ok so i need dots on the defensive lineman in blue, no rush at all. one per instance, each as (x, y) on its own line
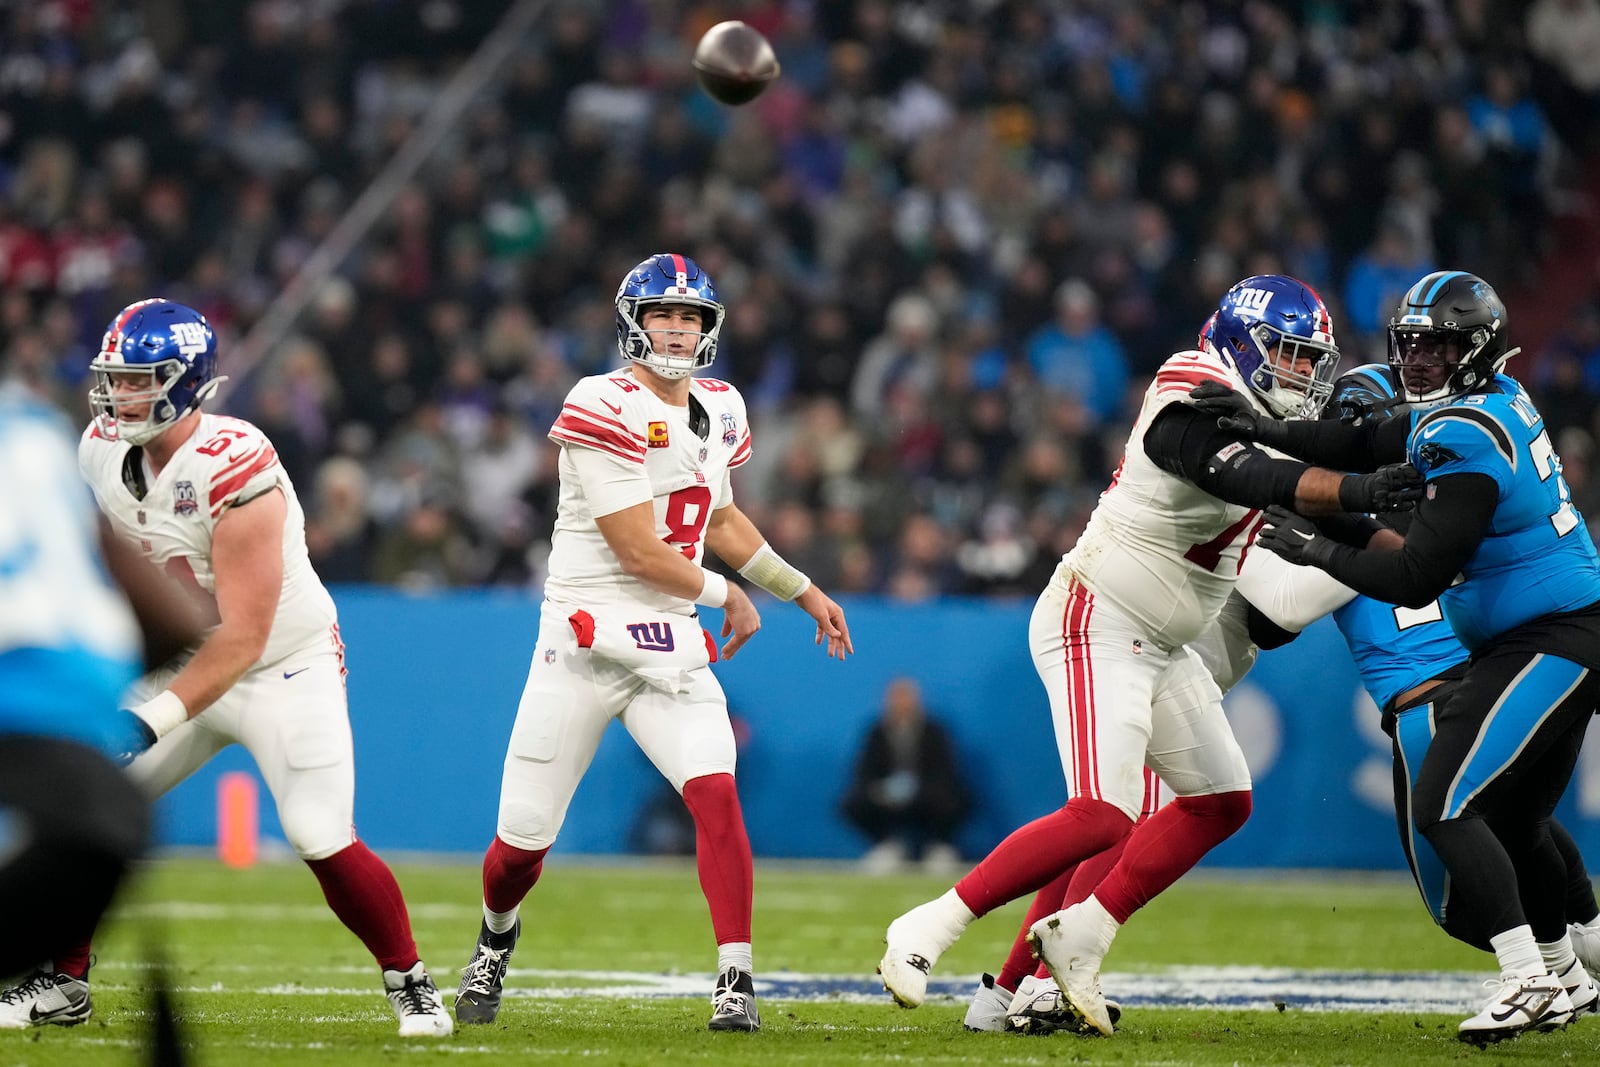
(1409, 660)
(1497, 540)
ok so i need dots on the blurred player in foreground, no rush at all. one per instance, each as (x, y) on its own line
(646, 456)
(1151, 571)
(69, 645)
(205, 497)
(1497, 541)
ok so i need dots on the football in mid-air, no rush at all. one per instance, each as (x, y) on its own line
(735, 62)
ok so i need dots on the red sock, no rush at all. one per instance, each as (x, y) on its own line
(74, 961)
(1047, 901)
(362, 892)
(722, 853)
(1036, 853)
(508, 873)
(1172, 841)
(1072, 887)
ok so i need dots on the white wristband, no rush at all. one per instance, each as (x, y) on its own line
(775, 574)
(163, 712)
(714, 593)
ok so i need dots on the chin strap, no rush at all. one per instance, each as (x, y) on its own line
(1500, 363)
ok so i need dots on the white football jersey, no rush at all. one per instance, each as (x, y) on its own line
(226, 461)
(1159, 548)
(688, 479)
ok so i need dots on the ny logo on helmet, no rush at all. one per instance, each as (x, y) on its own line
(652, 636)
(191, 337)
(1252, 301)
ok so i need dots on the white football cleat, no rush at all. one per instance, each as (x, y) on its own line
(417, 1003)
(1518, 1004)
(1037, 1008)
(1581, 990)
(45, 998)
(1586, 943)
(1067, 944)
(987, 1012)
(916, 940)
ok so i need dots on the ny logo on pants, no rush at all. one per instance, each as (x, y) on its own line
(652, 636)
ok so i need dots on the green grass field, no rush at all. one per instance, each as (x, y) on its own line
(616, 962)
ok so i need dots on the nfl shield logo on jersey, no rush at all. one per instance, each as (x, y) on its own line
(184, 501)
(549, 655)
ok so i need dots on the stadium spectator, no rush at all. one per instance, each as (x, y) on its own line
(897, 157)
(906, 794)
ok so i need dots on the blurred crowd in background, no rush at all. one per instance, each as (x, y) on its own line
(954, 238)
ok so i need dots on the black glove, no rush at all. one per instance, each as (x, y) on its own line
(1235, 414)
(1295, 538)
(1396, 487)
(1232, 411)
(137, 737)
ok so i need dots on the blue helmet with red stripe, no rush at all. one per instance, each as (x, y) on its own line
(1278, 335)
(157, 362)
(667, 278)
(1447, 337)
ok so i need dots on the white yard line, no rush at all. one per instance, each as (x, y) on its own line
(1241, 988)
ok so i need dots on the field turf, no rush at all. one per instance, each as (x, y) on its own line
(615, 967)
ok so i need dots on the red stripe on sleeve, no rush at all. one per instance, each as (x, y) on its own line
(1187, 378)
(228, 484)
(574, 430)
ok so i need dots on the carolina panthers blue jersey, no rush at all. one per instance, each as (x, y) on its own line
(1537, 557)
(68, 642)
(1397, 648)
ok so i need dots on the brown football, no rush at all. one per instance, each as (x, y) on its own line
(735, 62)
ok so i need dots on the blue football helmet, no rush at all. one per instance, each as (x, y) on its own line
(667, 278)
(1366, 392)
(1263, 326)
(1447, 337)
(169, 352)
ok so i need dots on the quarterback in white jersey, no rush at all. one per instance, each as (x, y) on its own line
(1108, 634)
(205, 497)
(645, 459)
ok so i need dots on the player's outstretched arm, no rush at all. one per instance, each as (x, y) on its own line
(1187, 443)
(735, 539)
(247, 564)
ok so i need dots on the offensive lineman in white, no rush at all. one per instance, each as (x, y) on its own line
(646, 453)
(205, 497)
(1152, 570)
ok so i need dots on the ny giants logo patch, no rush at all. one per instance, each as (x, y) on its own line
(730, 429)
(652, 636)
(184, 500)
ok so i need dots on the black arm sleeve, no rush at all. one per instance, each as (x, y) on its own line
(1444, 533)
(1349, 529)
(1343, 447)
(1264, 633)
(1185, 443)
